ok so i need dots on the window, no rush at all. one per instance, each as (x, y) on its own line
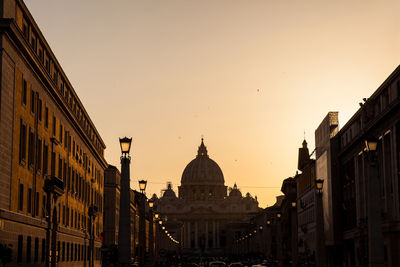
(65, 139)
(60, 165)
(32, 101)
(46, 117)
(20, 246)
(22, 142)
(25, 29)
(67, 219)
(53, 163)
(36, 255)
(28, 249)
(64, 177)
(54, 125)
(44, 206)
(21, 197)
(37, 204)
(40, 110)
(31, 147)
(43, 249)
(29, 200)
(24, 92)
(61, 133)
(67, 251)
(63, 251)
(63, 216)
(72, 218)
(45, 158)
(41, 54)
(39, 154)
(33, 41)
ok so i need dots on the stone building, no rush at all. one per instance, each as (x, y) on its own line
(112, 178)
(207, 220)
(306, 208)
(378, 117)
(47, 143)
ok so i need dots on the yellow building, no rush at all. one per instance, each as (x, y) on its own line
(45, 133)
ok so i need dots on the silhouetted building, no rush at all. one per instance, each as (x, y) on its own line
(306, 213)
(205, 217)
(46, 136)
(379, 117)
(326, 149)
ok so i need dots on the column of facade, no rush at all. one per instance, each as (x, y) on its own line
(206, 222)
(185, 235)
(189, 235)
(214, 235)
(218, 234)
(196, 235)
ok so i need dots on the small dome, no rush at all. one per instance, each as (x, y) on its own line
(235, 192)
(202, 170)
(169, 193)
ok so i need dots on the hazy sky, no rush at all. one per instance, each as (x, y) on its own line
(251, 76)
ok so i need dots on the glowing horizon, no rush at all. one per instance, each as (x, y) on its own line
(249, 76)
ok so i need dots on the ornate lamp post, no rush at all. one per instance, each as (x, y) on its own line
(142, 223)
(321, 260)
(294, 233)
(279, 237)
(375, 235)
(151, 228)
(124, 236)
(142, 186)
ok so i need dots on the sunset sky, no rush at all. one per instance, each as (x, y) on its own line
(250, 76)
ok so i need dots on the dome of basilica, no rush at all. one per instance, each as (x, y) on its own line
(202, 170)
(235, 192)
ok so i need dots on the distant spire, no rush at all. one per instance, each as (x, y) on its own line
(304, 143)
(202, 151)
(304, 156)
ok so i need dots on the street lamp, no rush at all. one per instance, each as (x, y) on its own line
(151, 229)
(125, 144)
(294, 204)
(371, 144)
(319, 184)
(156, 215)
(124, 237)
(279, 239)
(142, 186)
(142, 222)
(375, 235)
(151, 203)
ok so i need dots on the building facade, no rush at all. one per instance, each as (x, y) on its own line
(378, 117)
(48, 145)
(207, 220)
(306, 208)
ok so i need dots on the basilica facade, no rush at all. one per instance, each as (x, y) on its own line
(206, 216)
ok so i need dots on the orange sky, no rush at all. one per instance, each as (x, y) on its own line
(251, 76)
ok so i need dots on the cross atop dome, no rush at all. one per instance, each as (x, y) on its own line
(202, 151)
